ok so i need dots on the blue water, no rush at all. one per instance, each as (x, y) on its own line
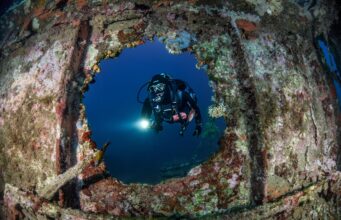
(9, 5)
(332, 66)
(137, 155)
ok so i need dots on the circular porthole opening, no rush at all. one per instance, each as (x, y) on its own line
(139, 154)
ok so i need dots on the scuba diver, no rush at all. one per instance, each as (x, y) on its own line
(172, 101)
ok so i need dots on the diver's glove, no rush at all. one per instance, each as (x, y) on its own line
(197, 130)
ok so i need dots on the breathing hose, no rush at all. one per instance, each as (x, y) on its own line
(138, 93)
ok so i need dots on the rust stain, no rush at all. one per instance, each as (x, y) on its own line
(246, 25)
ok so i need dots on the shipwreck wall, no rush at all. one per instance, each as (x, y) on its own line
(280, 146)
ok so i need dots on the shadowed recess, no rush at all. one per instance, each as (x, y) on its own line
(113, 113)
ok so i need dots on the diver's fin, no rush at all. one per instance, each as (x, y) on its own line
(183, 128)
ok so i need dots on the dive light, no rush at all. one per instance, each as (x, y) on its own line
(144, 124)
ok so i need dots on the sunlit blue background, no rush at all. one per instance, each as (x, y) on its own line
(137, 155)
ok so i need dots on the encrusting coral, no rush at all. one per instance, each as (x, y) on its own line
(278, 156)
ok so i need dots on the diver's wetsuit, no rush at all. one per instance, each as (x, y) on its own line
(184, 103)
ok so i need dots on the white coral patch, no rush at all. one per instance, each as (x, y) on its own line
(91, 55)
(217, 111)
(195, 171)
(233, 181)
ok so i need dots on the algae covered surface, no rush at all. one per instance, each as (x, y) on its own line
(277, 157)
